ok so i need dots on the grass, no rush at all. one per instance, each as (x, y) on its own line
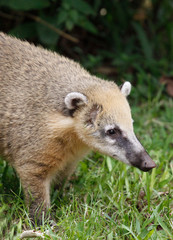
(106, 199)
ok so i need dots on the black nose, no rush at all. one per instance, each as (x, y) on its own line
(143, 161)
(147, 164)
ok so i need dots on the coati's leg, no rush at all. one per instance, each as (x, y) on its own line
(36, 189)
(64, 175)
(37, 198)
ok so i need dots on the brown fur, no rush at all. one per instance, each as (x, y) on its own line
(37, 137)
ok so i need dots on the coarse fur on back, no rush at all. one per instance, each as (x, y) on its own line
(53, 112)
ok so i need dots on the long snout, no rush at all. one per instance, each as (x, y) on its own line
(132, 152)
(143, 161)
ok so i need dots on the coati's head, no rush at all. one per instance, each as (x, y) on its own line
(103, 121)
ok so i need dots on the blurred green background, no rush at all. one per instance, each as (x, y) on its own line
(117, 39)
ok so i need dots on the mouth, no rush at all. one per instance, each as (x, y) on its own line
(141, 160)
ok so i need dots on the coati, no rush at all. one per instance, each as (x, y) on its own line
(53, 112)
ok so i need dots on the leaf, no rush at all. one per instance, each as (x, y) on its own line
(81, 6)
(129, 230)
(109, 163)
(146, 45)
(86, 24)
(62, 16)
(24, 30)
(138, 226)
(143, 233)
(110, 236)
(149, 234)
(84, 167)
(163, 225)
(69, 25)
(74, 15)
(25, 4)
(46, 35)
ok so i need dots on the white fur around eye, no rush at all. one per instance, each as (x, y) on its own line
(110, 141)
(126, 88)
(109, 127)
(72, 96)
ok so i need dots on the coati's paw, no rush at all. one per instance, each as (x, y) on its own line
(39, 216)
(31, 234)
(37, 233)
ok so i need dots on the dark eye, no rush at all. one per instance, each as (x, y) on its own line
(114, 132)
(111, 131)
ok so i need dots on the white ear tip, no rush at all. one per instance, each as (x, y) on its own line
(126, 88)
(67, 100)
(128, 84)
(74, 96)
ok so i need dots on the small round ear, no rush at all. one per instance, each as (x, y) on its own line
(126, 88)
(75, 99)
